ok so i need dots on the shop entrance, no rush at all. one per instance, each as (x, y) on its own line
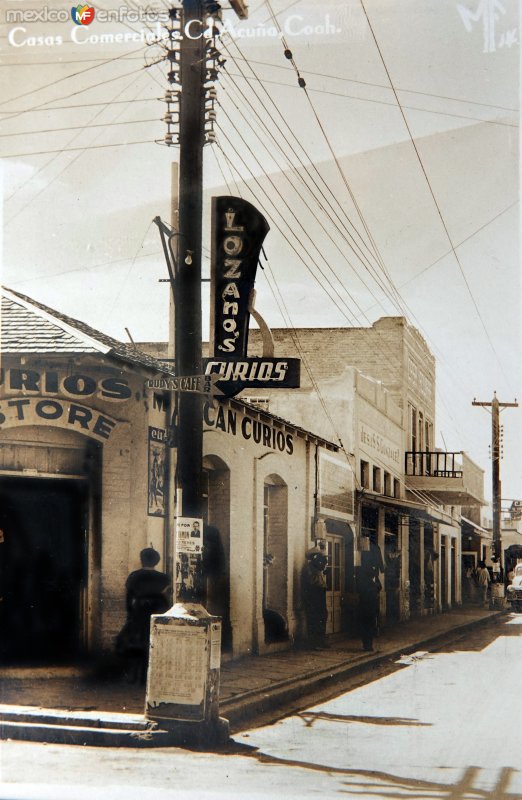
(392, 570)
(334, 583)
(43, 568)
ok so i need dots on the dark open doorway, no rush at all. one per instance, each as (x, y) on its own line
(43, 568)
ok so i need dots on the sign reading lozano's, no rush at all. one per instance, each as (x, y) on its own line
(238, 232)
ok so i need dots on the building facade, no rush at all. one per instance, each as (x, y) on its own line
(87, 458)
(86, 467)
(409, 493)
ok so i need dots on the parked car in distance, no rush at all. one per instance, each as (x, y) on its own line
(514, 590)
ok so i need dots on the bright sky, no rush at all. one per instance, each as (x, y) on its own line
(83, 177)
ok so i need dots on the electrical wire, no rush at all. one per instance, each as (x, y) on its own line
(354, 239)
(127, 275)
(274, 220)
(71, 94)
(422, 496)
(57, 155)
(213, 151)
(383, 339)
(459, 244)
(82, 127)
(74, 149)
(395, 291)
(463, 100)
(300, 224)
(283, 310)
(442, 399)
(52, 275)
(391, 104)
(342, 231)
(65, 78)
(435, 201)
(85, 105)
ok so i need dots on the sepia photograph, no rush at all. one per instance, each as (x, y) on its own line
(260, 373)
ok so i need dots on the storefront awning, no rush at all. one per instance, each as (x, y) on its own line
(478, 528)
(410, 508)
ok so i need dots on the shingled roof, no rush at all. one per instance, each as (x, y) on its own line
(28, 326)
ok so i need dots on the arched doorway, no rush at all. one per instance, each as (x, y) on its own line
(216, 543)
(48, 512)
(275, 559)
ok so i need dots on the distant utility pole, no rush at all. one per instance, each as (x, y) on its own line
(496, 407)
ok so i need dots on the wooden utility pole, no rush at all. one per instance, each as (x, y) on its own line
(496, 407)
(188, 279)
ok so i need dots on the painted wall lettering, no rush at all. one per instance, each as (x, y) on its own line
(226, 419)
(57, 413)
(52, 382)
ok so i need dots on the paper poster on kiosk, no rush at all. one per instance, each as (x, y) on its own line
(189, 535)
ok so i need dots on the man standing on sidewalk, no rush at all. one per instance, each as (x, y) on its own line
(483, 582)
(368, 588)
(314, 596)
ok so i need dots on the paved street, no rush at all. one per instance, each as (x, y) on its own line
(441, 724)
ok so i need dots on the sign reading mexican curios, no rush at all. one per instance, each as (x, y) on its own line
(238, 232)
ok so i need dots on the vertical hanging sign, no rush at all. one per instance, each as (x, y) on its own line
(238, 232)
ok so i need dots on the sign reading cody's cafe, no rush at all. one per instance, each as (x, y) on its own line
(238, 232)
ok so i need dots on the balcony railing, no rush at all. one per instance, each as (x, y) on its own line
(452, 478)
(435, 464)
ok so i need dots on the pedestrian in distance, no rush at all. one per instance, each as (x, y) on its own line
(148, 591)
(314, 596)
(368, 588)
(483, 581)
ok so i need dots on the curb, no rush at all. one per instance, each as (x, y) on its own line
(242, 708)
(127, 730)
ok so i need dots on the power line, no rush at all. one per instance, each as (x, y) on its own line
(276, 224)
(72, 94)
(213, 151)
(51, 276)
(463, 100)
(131, 267)
(396, 293)
(308, 206)
(308, 169)
(294, 332)
(302, 84)
(303, 229)
(279, 299)
(59, 63)
(82, 127)
(66, 77)
(433, 196)
(389, 103)
(233, 165)
(57, 155)
(459, 244)
(84, 105)
(385, 292)
(74, 149)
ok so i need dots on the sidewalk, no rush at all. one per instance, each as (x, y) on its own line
(250, 686)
